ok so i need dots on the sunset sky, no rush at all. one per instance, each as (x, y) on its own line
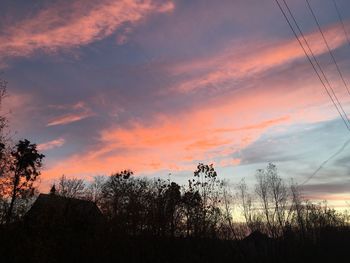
(159, 86)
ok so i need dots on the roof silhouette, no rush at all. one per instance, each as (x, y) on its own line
(52, 210)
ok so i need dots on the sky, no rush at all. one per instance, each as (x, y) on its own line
(160, 86)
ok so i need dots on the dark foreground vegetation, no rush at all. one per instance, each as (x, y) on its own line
(123, 218)
(144, 220)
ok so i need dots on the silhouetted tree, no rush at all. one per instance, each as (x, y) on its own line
(71, 187)
(273, 195)
(297, 210)
(210, 189)
(163, 203)
(251, 214)
(160, 208)
(116, 197)
(193, 203)
(22, 171)
(94, 189)
(172, 201)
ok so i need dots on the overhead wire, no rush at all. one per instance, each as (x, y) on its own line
(319, 67)
(328, 47)
(341, 21)
(338, 108)
(339, 151)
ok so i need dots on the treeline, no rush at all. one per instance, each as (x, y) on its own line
(149, 219)
(278, 208)
(155, 207)
(206, 207)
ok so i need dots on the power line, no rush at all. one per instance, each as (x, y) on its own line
(312, 64)
(341, 149)
(341, 21)
(318, 65)
(326, 42)
(321, 80)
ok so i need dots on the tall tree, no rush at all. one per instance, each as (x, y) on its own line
(210, 189)
(23, 169)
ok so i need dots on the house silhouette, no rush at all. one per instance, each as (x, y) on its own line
(54, 211)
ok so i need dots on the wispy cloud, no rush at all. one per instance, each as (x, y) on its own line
(76, 24)
(51, 144)
(237, 63)
(81, 112)
(212, 132)
(69, 118)
(169, 143)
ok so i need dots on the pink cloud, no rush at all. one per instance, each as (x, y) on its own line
(173, 142)
(81, 112)
(237, 62)
(75, 24)
(69, 118)
(51, 144)
(208, 133)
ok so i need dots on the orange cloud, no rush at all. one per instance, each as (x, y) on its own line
(73, 25)
(177, 142)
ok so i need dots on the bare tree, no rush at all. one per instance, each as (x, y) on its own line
(279, 195)
(273, 195)
(228, 212)
(250, 213)
(94, 189)
(262, 191)
(297, 209)
(72, 188)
